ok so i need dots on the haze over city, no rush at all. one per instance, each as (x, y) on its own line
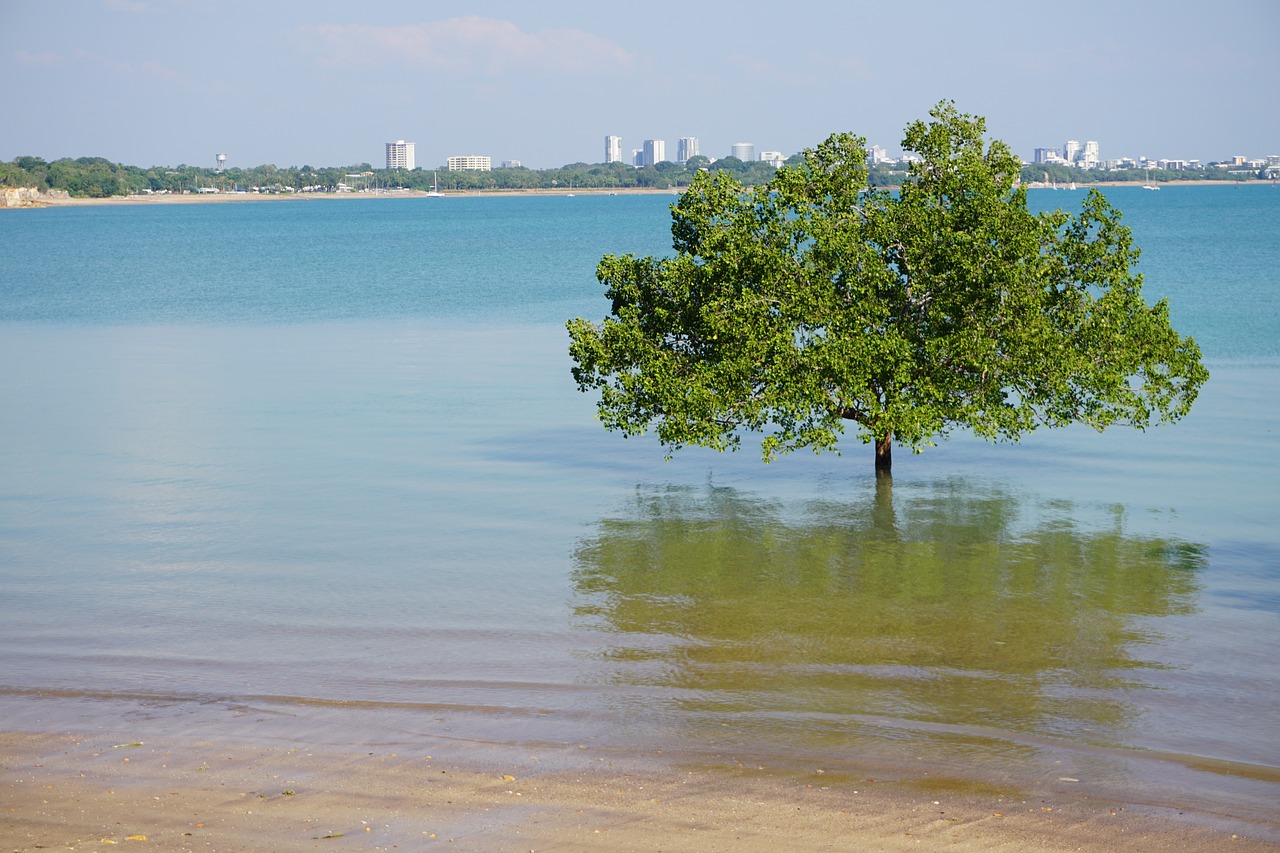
(168, 82)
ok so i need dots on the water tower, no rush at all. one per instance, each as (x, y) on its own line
(222, 162)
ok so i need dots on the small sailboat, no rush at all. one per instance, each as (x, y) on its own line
(435, 192)
(1148, 185)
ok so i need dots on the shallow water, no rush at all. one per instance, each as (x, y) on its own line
(321, 465)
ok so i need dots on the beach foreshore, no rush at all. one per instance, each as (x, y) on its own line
(88, 791)
(223, 198)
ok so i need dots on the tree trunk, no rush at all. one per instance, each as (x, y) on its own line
(884, 521)
(884, 455)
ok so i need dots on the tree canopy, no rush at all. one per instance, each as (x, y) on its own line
(814, 301)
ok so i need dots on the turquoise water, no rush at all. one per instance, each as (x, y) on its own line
(316, 470)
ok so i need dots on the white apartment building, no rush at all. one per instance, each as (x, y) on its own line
(400, 155)
(613, 149)
(655, 151)
(773, 158)
(470, 163)
(1085, 156)
(687, 147)
(875, 154)
(744, 151)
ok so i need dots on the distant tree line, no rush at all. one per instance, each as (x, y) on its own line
(96, 177)
(1060, 174)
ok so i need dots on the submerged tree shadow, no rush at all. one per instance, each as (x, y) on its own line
(942, 603)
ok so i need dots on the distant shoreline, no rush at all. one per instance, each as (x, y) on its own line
(225, 198)
(1039, 185)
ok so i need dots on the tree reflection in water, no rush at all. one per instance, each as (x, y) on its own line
(944, 604)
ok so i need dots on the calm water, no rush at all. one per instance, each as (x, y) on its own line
(318, 469)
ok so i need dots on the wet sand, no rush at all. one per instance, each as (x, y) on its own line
(95, 792)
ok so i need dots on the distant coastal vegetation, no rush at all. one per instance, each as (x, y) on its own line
(97, 177)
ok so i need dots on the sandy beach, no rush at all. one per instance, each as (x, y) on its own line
(226, 198)
(68, 791)
(230, 198)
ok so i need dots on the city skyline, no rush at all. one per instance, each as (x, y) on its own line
(163, 82)
(1087, 155)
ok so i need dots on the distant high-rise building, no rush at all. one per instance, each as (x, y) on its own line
(687, 147)
(773, 158)
(613, 149)
(470, 163)
(655, 151)
(400, 155)
(875, 154)
(1085, 156)
(744, 151)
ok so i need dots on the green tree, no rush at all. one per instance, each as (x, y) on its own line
(649, 176)
(730, 164)
(11, 175)
(814, 302)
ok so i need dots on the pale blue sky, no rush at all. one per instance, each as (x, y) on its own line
(327, 83)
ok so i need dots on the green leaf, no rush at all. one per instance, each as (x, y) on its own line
(814, 301)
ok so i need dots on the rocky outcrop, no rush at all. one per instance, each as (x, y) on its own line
(30, 196)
